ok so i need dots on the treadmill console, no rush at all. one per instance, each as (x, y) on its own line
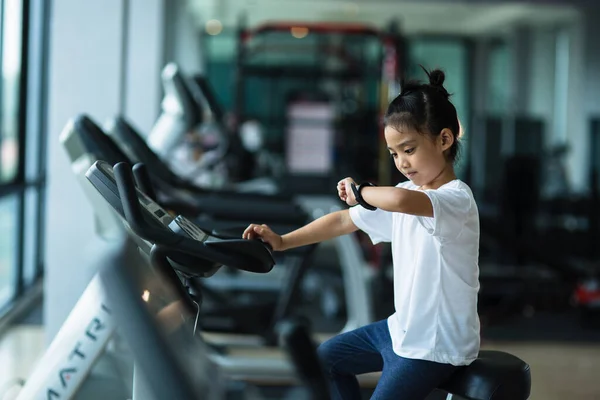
(152, 224)
(182, 225)
(102, 177)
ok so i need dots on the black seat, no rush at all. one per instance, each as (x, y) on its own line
(495, 375)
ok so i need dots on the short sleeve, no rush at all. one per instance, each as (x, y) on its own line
(377, 224)
(451, 209)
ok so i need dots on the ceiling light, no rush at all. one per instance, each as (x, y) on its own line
(214, 27)
(299, 32)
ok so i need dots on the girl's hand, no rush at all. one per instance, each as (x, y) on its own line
(264, 233)
(345, 191)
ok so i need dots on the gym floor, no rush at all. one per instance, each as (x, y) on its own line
(559, 370)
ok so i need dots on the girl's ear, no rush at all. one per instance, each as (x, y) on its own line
(446, 139)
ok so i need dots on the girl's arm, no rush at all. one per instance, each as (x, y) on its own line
(396, 199)
(392, 199)
(327, 227)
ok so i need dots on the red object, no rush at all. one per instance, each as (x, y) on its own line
(585, 295)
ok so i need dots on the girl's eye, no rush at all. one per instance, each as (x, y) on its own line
(394, 155)
(409, 151)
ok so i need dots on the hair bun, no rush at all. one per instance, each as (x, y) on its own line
(436, 78)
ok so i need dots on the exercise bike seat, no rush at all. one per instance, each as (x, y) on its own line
(495, 375)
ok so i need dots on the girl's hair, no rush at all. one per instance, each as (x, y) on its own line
(425, 108)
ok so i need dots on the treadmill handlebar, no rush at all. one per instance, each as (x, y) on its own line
(142, 178)
(133, 212)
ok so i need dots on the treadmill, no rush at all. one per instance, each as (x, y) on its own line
(82, 135)
(179, 113)
(183, 110)
(180, 249)
(171, 361)
(86, 143)
(269, 298)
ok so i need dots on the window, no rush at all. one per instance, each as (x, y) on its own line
(8, 246)
(12, 44)
(22, 24)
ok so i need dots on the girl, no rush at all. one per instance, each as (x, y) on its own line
(432, 223)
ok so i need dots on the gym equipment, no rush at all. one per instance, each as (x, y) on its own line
(180, 113)
(230, 315)
(525, 222)
(183, 128)
(176, 244)
(69, 369)
(87, 145)
(494, 375)
(358, 68)
(128, 139)
(250, 318)
(84, 361)
(357, 302)
(172, 362)
(83, 136)
(240, 157)
(347, 248)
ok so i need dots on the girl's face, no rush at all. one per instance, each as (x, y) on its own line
(420, 157)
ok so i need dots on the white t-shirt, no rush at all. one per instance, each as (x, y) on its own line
(436, 274)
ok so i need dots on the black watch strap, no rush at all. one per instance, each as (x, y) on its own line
(357, 193)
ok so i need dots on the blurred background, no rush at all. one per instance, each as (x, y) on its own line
(297, 90)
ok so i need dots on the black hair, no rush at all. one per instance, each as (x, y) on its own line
(425, 108)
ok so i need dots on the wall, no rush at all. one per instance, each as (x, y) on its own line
(87, 74)
(145, 59)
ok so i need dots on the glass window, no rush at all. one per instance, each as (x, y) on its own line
(8, 247)
(12, 45)
(21, 125)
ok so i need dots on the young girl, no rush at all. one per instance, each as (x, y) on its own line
(433, 224)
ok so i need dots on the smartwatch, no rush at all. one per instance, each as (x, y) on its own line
(357, 193)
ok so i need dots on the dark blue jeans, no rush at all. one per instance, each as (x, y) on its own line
(369, 349)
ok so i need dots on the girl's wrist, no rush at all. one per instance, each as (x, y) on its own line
(358, 195)
(282, 243)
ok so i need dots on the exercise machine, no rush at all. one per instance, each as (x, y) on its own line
(494, 375)
(171, 361)
(83, 136)
(179, 113)
(87, 141)
(76, 351)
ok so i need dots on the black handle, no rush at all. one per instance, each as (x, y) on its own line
(296, 340)
(219, 252)
(133, 210)
(142, 178)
